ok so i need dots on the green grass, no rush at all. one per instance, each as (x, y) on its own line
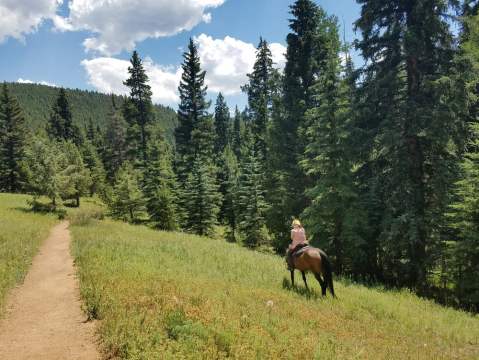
(165, 295)
(21, 233)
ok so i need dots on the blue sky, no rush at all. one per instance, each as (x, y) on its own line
(86, 43)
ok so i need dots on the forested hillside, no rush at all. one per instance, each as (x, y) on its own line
(36, 102)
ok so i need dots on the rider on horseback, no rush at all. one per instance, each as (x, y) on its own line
(298, 241)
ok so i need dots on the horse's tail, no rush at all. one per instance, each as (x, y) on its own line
(328, 273)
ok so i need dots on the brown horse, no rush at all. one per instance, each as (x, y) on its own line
(316, 261)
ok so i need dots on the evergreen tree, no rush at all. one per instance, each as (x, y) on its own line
(95, 166)
(138, 110)
(127, 198)
(251, 207)
(229, 190)
(465, 221)
(192, 111)
(222, 120)
(160, 187)
(333, 217)
(259, 96)
(202, 197)
(115, 143)
(74, 176)
(236, 134)
(60, 125)
(408, 50)
(13, 139)
(308, 44)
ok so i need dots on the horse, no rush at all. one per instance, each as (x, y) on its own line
(316, 261)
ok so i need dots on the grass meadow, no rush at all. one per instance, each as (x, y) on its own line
(160, 295)
(21, 233)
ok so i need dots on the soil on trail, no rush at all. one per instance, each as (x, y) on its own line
(43, 317)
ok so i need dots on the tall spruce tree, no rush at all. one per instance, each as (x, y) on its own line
(115, 153)
(160, 186)
(409, 50)
(138, 109)
(60, 125)
(333, 217)
(307, 43)
(13, 140)
(229, 189)
(464, 221)
(251, 202)
(236, 134)
(222, 121)
(201, 199)
(259, 94)
(192, 110)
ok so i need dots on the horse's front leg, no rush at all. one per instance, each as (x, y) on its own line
(292, 277)
(304, 279)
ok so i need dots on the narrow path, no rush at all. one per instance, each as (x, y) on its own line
(44, 318)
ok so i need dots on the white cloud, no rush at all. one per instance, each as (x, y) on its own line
(107, 74)
(22, 17)
(26, 81)
(228, 61)
(119, 24)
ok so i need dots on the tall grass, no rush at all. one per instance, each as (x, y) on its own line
(21, 233)
(166, 295)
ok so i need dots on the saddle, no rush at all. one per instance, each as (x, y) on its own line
(300, 249)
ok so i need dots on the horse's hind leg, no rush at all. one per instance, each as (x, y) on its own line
(304, 279)
(322, 283)
(292, 278)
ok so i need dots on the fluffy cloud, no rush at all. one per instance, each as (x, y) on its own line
(119, 24)
(107, 74)
(26, 81)
(21, 17)
(228, 60)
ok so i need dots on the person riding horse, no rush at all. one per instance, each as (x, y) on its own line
(298, 241)
(300, 256)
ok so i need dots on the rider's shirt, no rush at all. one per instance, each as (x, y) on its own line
(298, 236)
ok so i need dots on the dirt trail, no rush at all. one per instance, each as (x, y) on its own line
(43, 319)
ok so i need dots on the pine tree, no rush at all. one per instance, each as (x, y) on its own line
(13, 139)
(95, 166)
(333, 217)
(127, 198)
(74, 176)
(229, 190)
(465, 221)
(259, 96)
(251, 207)
(222, 120)
(236, 134)
(60, 125)
(160, 187)
(192, 111)
(307, 42)
(115, 143)
(412, 128)
(202, 197)
(138, 110)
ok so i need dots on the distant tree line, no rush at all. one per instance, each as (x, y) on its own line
(380, 162)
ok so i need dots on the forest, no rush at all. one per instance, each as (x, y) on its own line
(379, 160)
